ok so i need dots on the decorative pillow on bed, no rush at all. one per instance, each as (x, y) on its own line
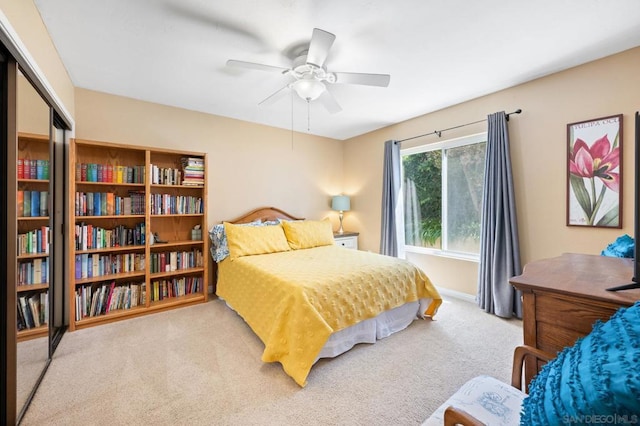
(308, 233)
(250, 240)
(219, 247)
(596, 380)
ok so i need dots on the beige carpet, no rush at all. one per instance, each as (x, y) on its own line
(201, 366)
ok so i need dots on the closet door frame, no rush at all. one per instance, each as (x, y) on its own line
(8, 224)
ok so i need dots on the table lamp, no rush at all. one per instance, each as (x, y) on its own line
(341, 203)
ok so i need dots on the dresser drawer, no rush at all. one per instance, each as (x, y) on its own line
(350, 242)
(562, 319)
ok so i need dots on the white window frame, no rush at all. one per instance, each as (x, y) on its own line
(443, 146)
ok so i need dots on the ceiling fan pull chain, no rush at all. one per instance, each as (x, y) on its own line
(308, 116)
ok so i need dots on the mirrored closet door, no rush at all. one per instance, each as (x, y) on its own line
(33, 261)
(34, 167)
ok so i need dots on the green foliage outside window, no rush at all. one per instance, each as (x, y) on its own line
(464, 180)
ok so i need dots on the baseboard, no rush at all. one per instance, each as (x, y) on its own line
(456, 294)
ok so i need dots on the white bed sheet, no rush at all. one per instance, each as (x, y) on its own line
(368, 331)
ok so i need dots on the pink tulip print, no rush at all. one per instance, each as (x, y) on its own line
(594, 174)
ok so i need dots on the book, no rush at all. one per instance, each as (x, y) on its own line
(26, 168)
(26, 209)
(20, 168)
(40, 169)
(110, 201)
(44, 206)
(20, 203)
(35, 203)
(26, 311)
(44, 248)
(173, 261)
(110, 296)
(34, 304)
(103, 204)
(97, 204)
(84, 268)
(119, 174)
(93, 172)
(78, 267)
(45, 170)
(37, 271)
(44, 307)
(20, 318)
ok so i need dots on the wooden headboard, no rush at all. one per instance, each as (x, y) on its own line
(264, 214)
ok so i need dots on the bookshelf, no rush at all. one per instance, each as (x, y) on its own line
(32, 257)
(134, 249)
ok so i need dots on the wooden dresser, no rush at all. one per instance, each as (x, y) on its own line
(564, 296)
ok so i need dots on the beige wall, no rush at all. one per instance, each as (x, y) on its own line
(538, 152)
(249, 165)
(25, 20)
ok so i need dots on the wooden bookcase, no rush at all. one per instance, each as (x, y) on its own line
(32, 206)
(116, 204)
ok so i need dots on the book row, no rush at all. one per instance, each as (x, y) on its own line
(98, 265)
(165, 289)
(175, 204)
(88, 237)
(34, 242)
(32, 203)
(108, 204)
(92, 172)
(165, 175)
(176, 260)
(33, 169)
(32, 272)
(92, 301)
(33, 311)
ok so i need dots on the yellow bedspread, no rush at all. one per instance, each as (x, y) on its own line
(295, 300)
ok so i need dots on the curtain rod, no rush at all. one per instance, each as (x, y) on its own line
(439, 132)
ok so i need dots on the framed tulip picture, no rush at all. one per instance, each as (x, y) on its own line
(594, 175)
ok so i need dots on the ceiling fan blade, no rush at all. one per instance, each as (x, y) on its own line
(321, 42)
(329, 102)
(274, 97)
(381, 80)
(254, 66)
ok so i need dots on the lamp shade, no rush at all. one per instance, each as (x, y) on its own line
(341, 203)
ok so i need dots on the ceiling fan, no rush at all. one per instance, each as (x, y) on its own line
(310, 76)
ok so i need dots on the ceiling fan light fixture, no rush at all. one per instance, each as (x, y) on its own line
(309, 89)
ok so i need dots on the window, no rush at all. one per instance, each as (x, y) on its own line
(442, 184)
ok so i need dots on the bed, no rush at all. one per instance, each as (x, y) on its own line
(307, 298)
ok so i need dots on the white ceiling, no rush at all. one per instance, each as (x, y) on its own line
(438, 52)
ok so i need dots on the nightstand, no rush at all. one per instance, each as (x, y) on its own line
(347, 239)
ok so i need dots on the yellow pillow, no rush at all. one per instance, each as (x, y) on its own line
(308, 233)
(249, 240)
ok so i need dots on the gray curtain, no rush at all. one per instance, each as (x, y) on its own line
(499, 246)
(392, 232)
(412, 216)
